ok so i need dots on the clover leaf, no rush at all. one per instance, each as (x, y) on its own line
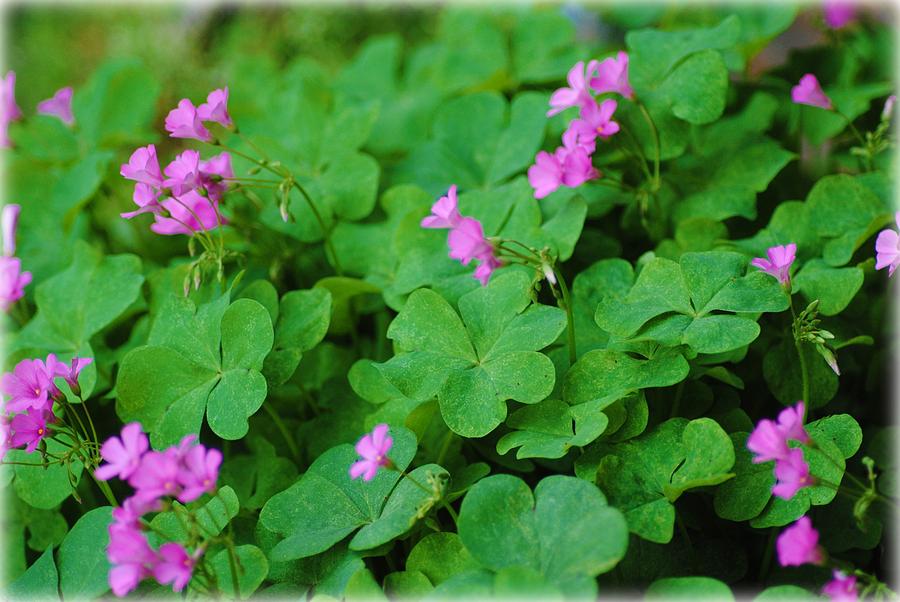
(474, 363)
(198, 360)
(644, 476)
(565, 530)
(552, 427)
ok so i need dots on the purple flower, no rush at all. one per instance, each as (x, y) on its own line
(183, 174)
(12, 281)
(768, 442)
(174, 566)
(143, 166)
(156, 476)
(123, 455)
(486, 265)
(887, 248)
(841, 588)
(792, 473)
(132, 509)
(146, 197)
(779, 263)
(30, 385)
(790, 423)
(373, 449)
(30, 428)
(444, 213)
(130, 555)
(215, 173)
(596, 120)
(838, 13)
(60, 105)
(184, 213)
(577, 94)
(566, 166)
(809, 92)
(71, 370)
(799, 544)
(9, 110)
(199, 472)
(216, 107)
(545, 176)
(9, 222)
(577, 167)
(185, 122)
(467, 241)
(612, 76)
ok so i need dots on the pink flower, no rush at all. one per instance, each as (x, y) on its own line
(215, 173)
(188, 214)
(216, 107)
(131, 557)
(156, 476)
(545, 176)
(838, 13)
(71, 371)
(30, 428)
(779, 263)
(123, 455)
(184, 122)
(841, 588)
(467, 241)
(887, 248)
(612, 76)
(799, 544)
(183, 174)
(768, 442)
(792, 473)
(486, 266)
(577, 137)
(9, 222)
(9, 110)
(373, 449)
(809, 92)
(790, 423)
(60, 105)
(199, 472)
(30, 385)
(132, 509)
(143, 166)
(596, 120)
(577, 167)
(12, 281)
(174, 565)
(444, 213)
(577, 93)
(146, 197)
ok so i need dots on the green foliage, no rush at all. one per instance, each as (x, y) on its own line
(83, 566)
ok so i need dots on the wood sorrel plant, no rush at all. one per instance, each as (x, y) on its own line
(556, 301)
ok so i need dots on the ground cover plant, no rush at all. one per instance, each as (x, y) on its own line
(566, 302)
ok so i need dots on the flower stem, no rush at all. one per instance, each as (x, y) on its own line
(570, 315)
(655, 132)
(430, 493)
(105, 489)
(282, 428)
(804, 371)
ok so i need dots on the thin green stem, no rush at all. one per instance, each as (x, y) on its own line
(655, 132)
(232, 563)
(430, 493)
(282, 428)
(766, 563)
(804, 371)
(105, 489)
(570, 315)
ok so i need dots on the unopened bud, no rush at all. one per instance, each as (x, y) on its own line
(888, 109)
(549, 274)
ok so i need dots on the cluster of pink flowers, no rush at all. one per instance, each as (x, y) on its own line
(466, 238)
(887, 248)
(779, 262)
(28, 393)
(769, 441)
(570, 165)
(372, 448)
(184, 472)
(12, 279)
(799, 545)
(59, 105)
(184, 197)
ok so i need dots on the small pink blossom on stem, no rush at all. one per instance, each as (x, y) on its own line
(809, 92)
(146, 197)
(59, 105)
(183, 174)
(174, 565)
(838, 13)
(12, 281)
(545, 176)
(143, 166)
(131, 557)
(841, 588)
(9, 222)
(373, 449)
(9, 110)
(188, 214)
(30, 385)
(596, 120)
(445, 212)
(887, 248)
(199, 472)
(767, 442)
(30, 428)
(184, 122)
(72, 370)
(215, 175)
(569, 167)
(577, 94)
(156, 476)
(792, 473)
(216, 108)
(123, 455)
(486, 265)
(799, 544)
(790, 423)
(612, 76)
(779, 262)
(467, 241)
